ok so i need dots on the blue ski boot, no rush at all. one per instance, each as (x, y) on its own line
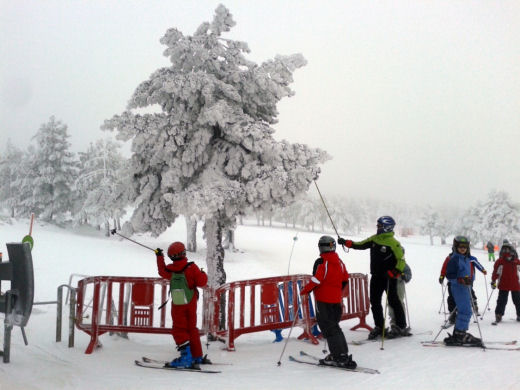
(183, 361)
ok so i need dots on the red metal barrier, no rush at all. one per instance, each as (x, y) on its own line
(231, 317)
(126, 304)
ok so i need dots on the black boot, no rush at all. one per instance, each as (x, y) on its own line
(375, 333)
(498, 318)
(461, 337)
(398, 332)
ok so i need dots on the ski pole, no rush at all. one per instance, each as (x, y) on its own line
(444, 325)
(487, 293)
(487, 304)
(113, 231)
(326, 209)
(444, 288)
(406, 305)
(384, 318)
(476, 318)
(295, 238)
(290, 331)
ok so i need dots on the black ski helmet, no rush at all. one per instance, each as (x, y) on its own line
(327, 244)
(507, 248)
(461, 240)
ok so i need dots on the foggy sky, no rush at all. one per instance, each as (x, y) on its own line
(416, 101)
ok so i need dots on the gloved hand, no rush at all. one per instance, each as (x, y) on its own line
(394, 274)
(159, 252)
(202, 270)
(466, 280)
(347, 243)
(441, 279)
(484, 272)
(307, 289)
(494, 284)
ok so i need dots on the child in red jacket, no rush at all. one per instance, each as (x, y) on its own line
(184, 278)
(506, 271)
(329, 278)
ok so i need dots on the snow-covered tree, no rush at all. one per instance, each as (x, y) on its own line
(56, 168)
(499, 218)
(10, 162)
(26, 174)
(102, 183)
(210, 150)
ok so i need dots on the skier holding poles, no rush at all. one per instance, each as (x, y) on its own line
(458, 272)
(184, 279)
(386, 265)
(506, 270)
(329, 279)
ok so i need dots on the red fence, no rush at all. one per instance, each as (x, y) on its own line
(126, 304)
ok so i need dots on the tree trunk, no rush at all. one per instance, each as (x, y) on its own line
(107, 228)
(215, 252)
(215, 261)
(191, 233)
(229, 240)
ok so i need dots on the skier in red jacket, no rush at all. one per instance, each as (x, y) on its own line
(329, 278)
(184, 294)
(506, 271)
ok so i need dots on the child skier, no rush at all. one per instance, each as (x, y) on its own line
(184, 278)
(506, 271)
(474, 263)
(386, 265)
(458, 272)
(328, 281)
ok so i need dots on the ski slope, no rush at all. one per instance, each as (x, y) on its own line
(404, 363)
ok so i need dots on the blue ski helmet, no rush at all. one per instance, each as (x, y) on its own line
(385, 224)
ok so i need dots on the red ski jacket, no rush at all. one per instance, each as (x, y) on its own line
(328, 278)
(194, 276)
(507, 272)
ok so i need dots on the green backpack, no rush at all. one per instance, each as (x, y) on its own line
(180, 292)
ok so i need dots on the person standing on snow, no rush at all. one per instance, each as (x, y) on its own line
(506, 271)
(329, 278)
(458, 272)
(405, 277)
(474, 263)
(184, 279)
(386, 265)
(491, 251)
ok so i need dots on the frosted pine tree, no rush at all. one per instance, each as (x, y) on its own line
(500, 218)
(210, 150)
(10, 162)
(55, 170)
(102, 184)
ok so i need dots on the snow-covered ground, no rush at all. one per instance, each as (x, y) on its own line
(404, 363)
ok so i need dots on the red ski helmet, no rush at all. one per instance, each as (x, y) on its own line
(177, 251)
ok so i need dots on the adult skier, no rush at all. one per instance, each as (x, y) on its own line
(184, 279)
(506, 271)
(458, 272)
(491, 251)
(329, 278)
(386, 265)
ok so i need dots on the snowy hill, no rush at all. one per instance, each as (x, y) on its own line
(404, 363)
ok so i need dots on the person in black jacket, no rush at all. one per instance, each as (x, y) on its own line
(386, 265)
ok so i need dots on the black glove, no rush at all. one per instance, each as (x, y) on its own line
(441, 279)
(494, 284)
(159, 252)
(341, 241)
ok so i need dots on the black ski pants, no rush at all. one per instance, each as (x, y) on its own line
(378, 285)
(502, 301)
(328, 316)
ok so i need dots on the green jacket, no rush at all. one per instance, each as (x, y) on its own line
(386, 253)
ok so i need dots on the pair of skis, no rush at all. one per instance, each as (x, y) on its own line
(161, 364)
(306, 358)
(491, 345)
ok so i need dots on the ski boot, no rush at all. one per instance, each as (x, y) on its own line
(396, 332)
(202, 360)
(518, 318)
(498, 318)
(343, 360)
(462, 338)
(183, 361)
(375, 333)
